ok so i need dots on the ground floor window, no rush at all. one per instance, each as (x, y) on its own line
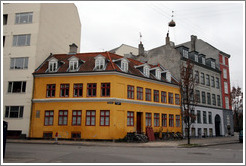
(170, 120)
(62, 117)
(164, 120)
(130, 118)
(104, 118)
(90, 118)
(76, 120)
(76, 135)
(47, 135)
(199, 132)
(156, 120)
(205, 133)
(193, 132)
(148, 119)
(210, 132)
(177, 120)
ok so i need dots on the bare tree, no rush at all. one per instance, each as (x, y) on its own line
(236, 98)
(187, 85)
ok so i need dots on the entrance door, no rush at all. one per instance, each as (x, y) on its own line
(139, 122)
(217, 125)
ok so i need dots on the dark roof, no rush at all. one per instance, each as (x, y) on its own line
(89, 64)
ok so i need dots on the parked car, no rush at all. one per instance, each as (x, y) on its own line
(241, 136)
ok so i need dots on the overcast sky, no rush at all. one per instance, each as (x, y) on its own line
(107, 25)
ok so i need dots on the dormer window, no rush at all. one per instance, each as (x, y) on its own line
(185, 54)
(53, 65)
(146, 71)
(73, 64)
(196, 57)
(99, 62)
(158, 74)
(124, 65)
(213, 64)
(203, 60)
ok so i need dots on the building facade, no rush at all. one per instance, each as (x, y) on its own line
(222, 62)
(212, 118)
(31, 31)
(102, 96)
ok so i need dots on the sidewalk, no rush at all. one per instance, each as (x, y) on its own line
(164, 143)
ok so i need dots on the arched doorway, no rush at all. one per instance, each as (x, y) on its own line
(217, 125)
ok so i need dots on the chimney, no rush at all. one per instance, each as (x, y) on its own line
(167, 39)
(140, 49)
(73, 48)
(193, 43)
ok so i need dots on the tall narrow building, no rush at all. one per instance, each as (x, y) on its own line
(31, 31)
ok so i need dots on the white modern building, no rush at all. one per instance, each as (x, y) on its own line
(31, 32)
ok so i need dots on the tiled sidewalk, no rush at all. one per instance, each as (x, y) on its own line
(165, 143)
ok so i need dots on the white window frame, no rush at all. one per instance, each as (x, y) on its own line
(100, 63)
(20, 111)
(124, 65)
(158, 74)
(225, 73)
(73, 65)
(19, 18)
(10, 89)
(16, 40)
(53, 66)
(146, 71)
(13, 62)
(226, 87)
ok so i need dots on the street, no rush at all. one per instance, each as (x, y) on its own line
(53, 153)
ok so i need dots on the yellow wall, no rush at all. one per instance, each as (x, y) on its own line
(118, 113)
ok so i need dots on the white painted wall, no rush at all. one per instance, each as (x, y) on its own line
(51, 32)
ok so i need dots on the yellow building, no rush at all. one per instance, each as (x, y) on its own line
(102, 96)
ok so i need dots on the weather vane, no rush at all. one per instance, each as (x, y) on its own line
(140, 36)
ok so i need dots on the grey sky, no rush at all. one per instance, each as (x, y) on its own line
(107, 25)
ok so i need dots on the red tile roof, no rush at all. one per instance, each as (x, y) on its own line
(89, 64)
